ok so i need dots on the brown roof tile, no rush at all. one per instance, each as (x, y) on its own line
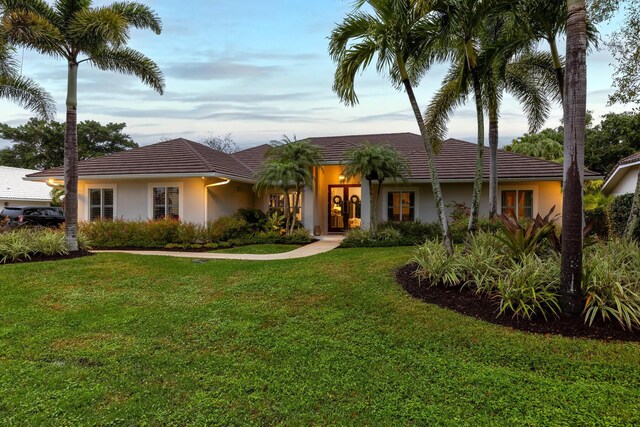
(169, 157)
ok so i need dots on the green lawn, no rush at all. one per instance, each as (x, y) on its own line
(258, 249)
(124, 339)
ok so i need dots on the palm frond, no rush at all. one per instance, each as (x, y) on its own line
(454, 91)
(138, 15)
(129, 61)
(97, 27)
(354, 60)
(31, 30)
(26, 93)
(520, 83)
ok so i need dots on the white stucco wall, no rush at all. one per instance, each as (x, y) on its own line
(133, 198)
(627, 183)
(4, 202)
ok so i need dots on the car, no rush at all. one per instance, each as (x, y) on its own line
(25, 216)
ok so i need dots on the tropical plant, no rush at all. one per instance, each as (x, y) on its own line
(281, 175)
(21, 90)
(77, 32)
(435, 266)
(611, 283)
(483, 260)
(524, 240)
(375, 162)
(529, 288)
(274, 222)
(399, 35)
(302, 157)
(575, 110)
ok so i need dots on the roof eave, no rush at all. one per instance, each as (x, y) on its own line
(616, 171)
(147, 176)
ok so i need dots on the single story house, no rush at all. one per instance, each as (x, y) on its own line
(15, 191)
(190, 181)
(624, 176)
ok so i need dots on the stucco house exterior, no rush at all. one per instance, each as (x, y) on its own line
(186, 180)
(15, 191)
(624, 177)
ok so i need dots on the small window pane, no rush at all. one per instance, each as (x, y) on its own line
(107, 194)
(94, 197)
(94, 213)
(525, 204)
(509, 203)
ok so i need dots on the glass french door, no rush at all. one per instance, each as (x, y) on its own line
(345, 207)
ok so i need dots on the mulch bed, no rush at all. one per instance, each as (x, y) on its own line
(464, 301)
(41, 258)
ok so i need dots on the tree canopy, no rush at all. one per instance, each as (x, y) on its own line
(39, 144)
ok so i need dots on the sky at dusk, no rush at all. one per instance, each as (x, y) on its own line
(258, 70)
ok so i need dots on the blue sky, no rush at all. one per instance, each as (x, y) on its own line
(259, 70)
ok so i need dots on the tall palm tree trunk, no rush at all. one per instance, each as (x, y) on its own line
(435, 182)
(634, 217)
(71, 161)
(373, 215)
(557, 65)
(493, 162)
(574, 136)
(287, 212)
(477, 181)
(296, 208)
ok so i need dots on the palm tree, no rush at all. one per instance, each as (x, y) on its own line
(375, 163)
(399, 35)
(520, 77)
(574, 135)
(460, 23)
(23, 91)
(79, 33)
(303, 156)
(276, 173)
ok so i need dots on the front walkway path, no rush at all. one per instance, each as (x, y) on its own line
(325, 244)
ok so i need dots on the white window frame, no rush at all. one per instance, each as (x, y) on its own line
(533, 188)
(153, 185)
(385, 194)
(90, 187)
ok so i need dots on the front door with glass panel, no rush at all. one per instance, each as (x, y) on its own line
(345, 207)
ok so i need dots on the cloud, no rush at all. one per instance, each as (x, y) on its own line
(220, 70)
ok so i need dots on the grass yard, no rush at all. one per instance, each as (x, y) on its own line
(123, 339)
(258, 249)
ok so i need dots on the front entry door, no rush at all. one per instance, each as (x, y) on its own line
(345, 207)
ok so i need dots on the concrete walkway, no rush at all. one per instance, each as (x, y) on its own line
(325, 244)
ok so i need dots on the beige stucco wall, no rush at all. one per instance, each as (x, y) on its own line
(133, 197)
(627, 183)
(546, 194)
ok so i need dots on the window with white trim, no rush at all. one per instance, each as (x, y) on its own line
(517, 203)
(401, 206)
(101, 203)
(166, 202)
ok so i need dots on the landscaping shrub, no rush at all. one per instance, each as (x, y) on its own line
(482, 260)
(413, 232)
(435, 266)
(139, 234)
(611, 282)
(458, 228)
(598, 218)
(619, 212)
(529, 287)
(226, 228)
(23, 244)
(256, 219)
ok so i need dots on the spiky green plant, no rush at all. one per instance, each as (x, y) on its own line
(435, 266)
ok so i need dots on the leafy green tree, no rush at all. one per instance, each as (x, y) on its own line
(547, 145)
(38, 144)
(75, 31)
(575, 112)
(615, 137)
(398, 36)
(375, 162)
(302, 157)
(21, 90)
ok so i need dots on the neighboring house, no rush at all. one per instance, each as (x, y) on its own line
(15, 191)
(186, 180)
(623, 178)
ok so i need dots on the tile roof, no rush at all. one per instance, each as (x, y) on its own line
(455, 162)
(177, 156)
(614, 176)
(13, 187)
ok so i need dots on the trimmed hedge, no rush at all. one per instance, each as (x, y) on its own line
(619, 214)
